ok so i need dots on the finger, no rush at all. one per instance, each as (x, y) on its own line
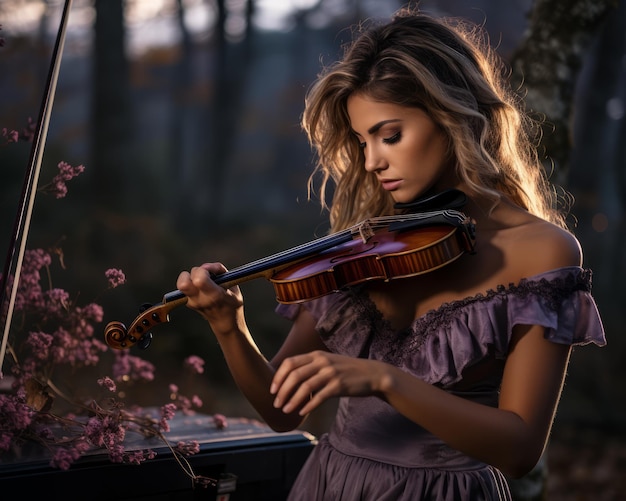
(307, 396)
(300, 384)
(184, 281)
(202, 276)
(198, 273)
(286, 368)
(214, 268)
(315, 400)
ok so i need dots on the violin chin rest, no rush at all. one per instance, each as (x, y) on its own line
(448, 199)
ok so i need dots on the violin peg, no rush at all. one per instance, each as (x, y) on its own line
(145, 341)
(145, 306)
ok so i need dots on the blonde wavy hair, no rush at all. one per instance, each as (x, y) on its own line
(448, 69)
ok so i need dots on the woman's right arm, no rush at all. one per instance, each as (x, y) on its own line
(253, 373)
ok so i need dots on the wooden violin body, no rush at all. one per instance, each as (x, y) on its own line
(387, 255)
(385, 248)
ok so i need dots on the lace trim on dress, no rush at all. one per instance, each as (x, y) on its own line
(391, 344)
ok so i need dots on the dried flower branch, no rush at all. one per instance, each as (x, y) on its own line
(55, 332)
(51, 335)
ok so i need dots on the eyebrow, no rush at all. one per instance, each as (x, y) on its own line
(376, 127)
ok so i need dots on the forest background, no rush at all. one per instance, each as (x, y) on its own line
(185, 114)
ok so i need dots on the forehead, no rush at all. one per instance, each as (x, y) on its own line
(364, 113)
(359, 104)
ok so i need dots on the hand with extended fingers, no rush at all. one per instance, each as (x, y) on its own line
(310, 379)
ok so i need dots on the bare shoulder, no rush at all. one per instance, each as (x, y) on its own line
(538, 246)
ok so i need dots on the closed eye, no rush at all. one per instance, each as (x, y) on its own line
(393, 139)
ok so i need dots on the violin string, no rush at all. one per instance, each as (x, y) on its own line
(328, 241)
(311, 247)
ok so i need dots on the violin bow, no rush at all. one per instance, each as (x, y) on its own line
(29, 189)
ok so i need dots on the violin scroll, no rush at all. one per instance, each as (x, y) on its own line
(117, 336)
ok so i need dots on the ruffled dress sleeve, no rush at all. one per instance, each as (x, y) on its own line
(560, 301)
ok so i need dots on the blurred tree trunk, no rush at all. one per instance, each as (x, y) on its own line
(184, 125)
(112, 165)
(547, 64)
(232, 65)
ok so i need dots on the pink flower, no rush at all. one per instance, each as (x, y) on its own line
(116, 453)
(168, 411)
(220, 421)
(195, 364)
(28, 133)
(115, 277)
(131, 368)
(138, 457)
(108, 383)
(66, 172)
(77, 347)
(14, 413)
(105, 431)
(196, 401)
(184, 403)
(92, 312)
(29, 292)
(11, 135)
(188, 448)
(63, 458)
(58, 301)
(39, 343)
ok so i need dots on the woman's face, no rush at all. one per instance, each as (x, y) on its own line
(403, 147)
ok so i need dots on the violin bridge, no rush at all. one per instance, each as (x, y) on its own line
(365, 231)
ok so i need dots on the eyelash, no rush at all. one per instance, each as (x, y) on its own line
(393, 139)
(388, 140)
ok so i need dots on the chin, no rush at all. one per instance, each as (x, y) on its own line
(405, 199)
(399, 200)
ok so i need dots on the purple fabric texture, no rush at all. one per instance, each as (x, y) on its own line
(372, 451)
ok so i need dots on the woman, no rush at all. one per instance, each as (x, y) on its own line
(447, 378)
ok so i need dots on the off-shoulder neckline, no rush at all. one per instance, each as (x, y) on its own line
(543, 284)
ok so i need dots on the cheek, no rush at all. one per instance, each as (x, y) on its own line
(423, 160)
(434, 149)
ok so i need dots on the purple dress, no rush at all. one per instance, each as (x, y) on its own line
(374, 453)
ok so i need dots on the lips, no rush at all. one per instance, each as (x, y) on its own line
(390, 184)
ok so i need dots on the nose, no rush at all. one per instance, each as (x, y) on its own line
(374, 161)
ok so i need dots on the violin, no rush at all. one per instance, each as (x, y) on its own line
(383, 248)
